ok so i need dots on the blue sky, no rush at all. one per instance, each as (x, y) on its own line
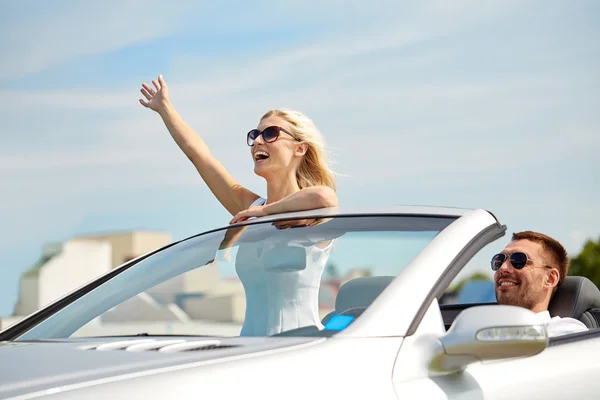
(490, 104)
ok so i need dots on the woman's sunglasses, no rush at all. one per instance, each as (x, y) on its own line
(518, 260)
(269, 134)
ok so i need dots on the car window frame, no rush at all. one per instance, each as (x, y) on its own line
(575, 337)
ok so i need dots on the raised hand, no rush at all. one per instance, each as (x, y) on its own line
(157, 99)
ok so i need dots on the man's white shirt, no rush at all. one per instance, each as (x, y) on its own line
(557, 326)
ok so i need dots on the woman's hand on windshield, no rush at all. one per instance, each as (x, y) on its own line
(254, 211)
(157, 98)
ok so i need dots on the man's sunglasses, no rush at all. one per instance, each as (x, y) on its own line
(518, 260)
(269, 134)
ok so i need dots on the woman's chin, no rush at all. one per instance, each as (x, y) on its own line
(261, 168)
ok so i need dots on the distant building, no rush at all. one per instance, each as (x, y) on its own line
(198, 295)
(64, 267)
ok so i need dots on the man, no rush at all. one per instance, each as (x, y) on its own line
(528, 272)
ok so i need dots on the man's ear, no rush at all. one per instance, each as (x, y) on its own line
(552, 278)
(301, 149)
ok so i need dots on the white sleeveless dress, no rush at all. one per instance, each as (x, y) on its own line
(278, 301)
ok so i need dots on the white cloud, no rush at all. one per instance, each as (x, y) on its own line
(55, 33)
(395, 126)
(77, 99)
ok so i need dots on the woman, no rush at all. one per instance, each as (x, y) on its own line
(288, 152)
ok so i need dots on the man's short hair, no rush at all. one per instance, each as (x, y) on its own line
(556, 251)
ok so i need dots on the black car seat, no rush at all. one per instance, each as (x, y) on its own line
(577, 298)
(358, 294)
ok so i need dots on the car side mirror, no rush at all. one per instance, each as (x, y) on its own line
(493, 332)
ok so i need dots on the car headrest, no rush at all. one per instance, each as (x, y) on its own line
(576, 295)
(360, 292)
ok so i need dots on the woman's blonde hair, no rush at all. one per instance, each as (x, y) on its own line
(314, 168)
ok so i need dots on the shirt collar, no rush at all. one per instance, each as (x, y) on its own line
(544, 316)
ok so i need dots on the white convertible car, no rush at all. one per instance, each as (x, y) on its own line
(321, 304)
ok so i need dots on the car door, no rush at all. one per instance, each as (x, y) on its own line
(568, 368)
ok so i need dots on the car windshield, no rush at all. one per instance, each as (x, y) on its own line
(259, 279)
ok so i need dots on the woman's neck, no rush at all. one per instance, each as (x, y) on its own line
(280, 188)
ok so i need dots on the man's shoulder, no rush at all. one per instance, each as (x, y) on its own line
(563, 326)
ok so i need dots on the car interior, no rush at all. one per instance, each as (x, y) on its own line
(576, 298)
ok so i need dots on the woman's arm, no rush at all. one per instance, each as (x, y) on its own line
(226, 189)
(305, 199)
